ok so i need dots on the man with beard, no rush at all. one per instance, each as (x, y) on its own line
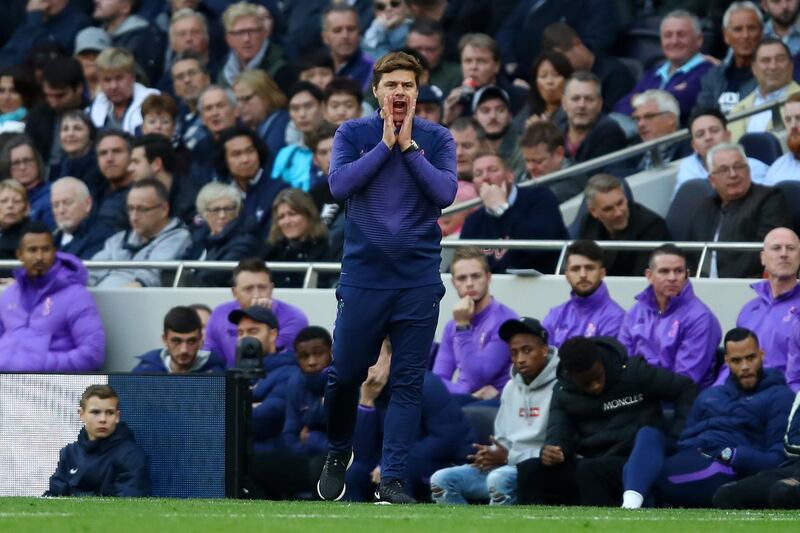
(590, 311)
(491, 108)
(787, 166)
(472, 359)
(782, 23)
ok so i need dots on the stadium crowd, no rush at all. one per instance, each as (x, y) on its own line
(135, 130)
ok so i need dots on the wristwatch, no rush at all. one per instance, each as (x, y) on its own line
(726, 455)
(413, 147)
(500, 210)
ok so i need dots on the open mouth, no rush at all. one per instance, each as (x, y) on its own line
(399, 106)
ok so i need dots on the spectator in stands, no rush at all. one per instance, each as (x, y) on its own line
(14, 210)
(388, 30)
(519, 428)
(469, 137)
(772, 315)
(429, 103)
(269, 393)
(550, 72)
(472, 360)
(684, 67)
(159, 114)
(782, 23)
(241, 159)
(188, 33)
(21, 162)
(787, 166)
(113, 157)
(51, 21)
(63, 88)
(772, 68)
(426, 36)
(189, 79)
(542, 149)
(315, 66)
(611, 216)
(261, 106)
(89, 43)
(490, 107)
(19, 93)
(76, 140)
(296, 235)
(48, 320)
(616, 80)
(709, 127)
(181, 354)
(442, 438)
(510, 212)
(341, 33)
(248, 28)
(602, 398)
(305, 110)
(225, 235)
(727, 84)
(342, 100)
(669, 326)
(452, 224)
(77, 230)
(204, 312)
(739, 211)
(133, 33)
(118, 105)
(153, 236)
(657, 115)
(733, 430)
(153, 157)
(252, 285)
(217, 108)
(590, 310)
(105, 460)
(587, 133)
(480, 66)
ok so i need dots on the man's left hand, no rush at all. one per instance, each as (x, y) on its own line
(404, 135)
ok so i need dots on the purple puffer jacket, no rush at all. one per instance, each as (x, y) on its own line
(51, 324)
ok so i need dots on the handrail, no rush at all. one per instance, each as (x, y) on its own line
(630, 151)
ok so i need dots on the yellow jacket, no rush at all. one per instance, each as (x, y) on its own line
(739, 127)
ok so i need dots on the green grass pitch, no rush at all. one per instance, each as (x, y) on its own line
(229, 516)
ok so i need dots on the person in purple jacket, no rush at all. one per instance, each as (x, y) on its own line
(252, 285)
(48, 320)
(684, 67)
(668, 325)
(472, 359)
(590, 311)
(774, 314)
(396, 173)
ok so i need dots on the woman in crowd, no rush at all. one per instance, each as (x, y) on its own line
(21, 162)
(297, 235)
(548, 76)
(19, 92)
(261, 105)
(13, 216)
(77, 134)
(226, 235)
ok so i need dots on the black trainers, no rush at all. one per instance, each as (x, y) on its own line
(392, 492)
(331, 482)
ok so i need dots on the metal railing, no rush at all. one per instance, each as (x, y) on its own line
(653, 147)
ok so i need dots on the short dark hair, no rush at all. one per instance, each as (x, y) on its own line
(464, 123)
(772, 40)
(113, 132)
(396, 61)
(587, 248)
(313, 332)
(739, 334)
(63, 72)
(578, 354)
(314, 58)
(326, 130)
(190, 55)
(305, 87)
(666, 249)
(201, 307)
(182, 319)
(24, 83)
(80, 114)
(559, 35)
(221, 162)
(542, 132)
(428, 27)
(160, 189)
(343, 85)
(36, 227)
(698, 112)
(160, 103)
(339, 8)
(157, 146)
(103, 392)
(251, 264)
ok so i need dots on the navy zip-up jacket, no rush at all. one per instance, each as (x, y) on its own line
(304, 408)
(753, 423)
(393, 201)
(269, 400)
(152, 363)
(114, 466)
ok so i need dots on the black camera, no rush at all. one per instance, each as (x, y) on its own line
(249, 357)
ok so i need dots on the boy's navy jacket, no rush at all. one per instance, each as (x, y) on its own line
(304, 408)
(114, 466)
(153, 363)
(751, 422)
(269, 393)
(444, 434)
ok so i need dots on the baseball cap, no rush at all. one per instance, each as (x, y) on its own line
(524, 324)
(429, 94)
(92, 39)
(255, 312)
(489, 91)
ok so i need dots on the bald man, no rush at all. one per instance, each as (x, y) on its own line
(77, 232)
(774, 314)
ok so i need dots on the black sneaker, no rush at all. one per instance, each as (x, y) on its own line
(331, 482)
(392, 492)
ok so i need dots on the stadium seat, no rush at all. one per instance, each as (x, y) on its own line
(791, 191)
(763, 146)
(685, 202)
(482, 419)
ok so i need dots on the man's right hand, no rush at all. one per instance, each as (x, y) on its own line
(263, 302)
(551, 455)
(389, 137)
(493, 196)
(463, 311)
(453, 107)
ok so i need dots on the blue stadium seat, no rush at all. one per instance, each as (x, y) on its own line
(763, 146)
(482, 419)
(791, 190)
(685, 202)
